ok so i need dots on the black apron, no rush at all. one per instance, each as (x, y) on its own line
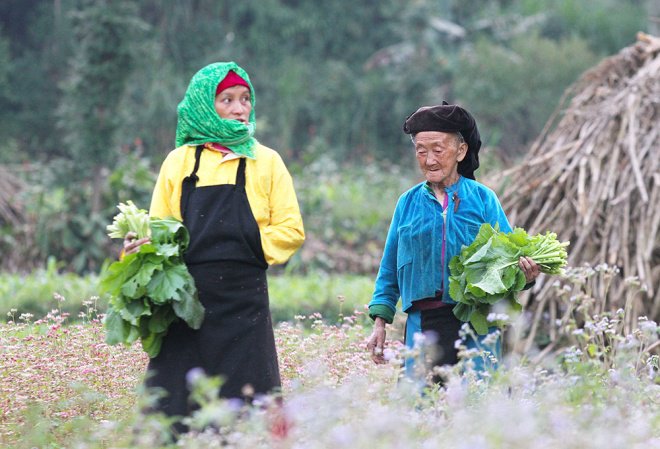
(226, 259)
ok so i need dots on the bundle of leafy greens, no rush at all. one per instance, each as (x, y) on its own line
(486, 271)
(151, 288)
(129, 218)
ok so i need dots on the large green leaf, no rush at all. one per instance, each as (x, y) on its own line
(166, 284)
(113, 277)
(463, 311)
(486, 272)
(483, 252)
(116, 328)
(520, 282)
(486, 269)
(479, 322)
(134, 310)
(132, 336)
(169, 230)
(491, 281)
(152, 344)
(475, 291)
(455, 266)
(486, 231)
(519, 237)
(169, 250)
(494, 299)
(150, 288)
(509, 276)
(456, 289)
(135, 286)
(161, 319)
(189, 309)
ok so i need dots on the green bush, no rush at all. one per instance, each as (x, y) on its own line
(525, 81)
(347, 211)
(62, 221)
(46, 289)
(291, 295)
(330, 295)
(347, 208)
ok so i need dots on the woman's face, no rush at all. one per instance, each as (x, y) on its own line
(234, 103)
(438, 155)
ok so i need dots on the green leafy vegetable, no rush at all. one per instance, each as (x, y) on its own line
(152, 288)
(486, 271)
(130, 218)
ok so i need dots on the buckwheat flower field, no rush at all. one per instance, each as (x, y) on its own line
(63, 387)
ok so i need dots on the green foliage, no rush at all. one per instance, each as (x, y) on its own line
(486, 272)
(129, 219)
(63, 387)
(525, 81)
(39, 44)
(102, 62)
(331, 296)
(291, 295)
(607, 25)
(61, 221)
(34, 293)
(346, 211)
(350, 203)
(131, 60)
(335, 78)
(151, 288)
(5, 90)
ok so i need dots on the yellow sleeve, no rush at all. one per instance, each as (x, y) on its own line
(284, 233)
(164, 194)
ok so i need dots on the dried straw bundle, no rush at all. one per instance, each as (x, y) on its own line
(593, 176)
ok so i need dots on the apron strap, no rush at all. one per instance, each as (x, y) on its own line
(198, 157)
(189, 182)
(240, 173)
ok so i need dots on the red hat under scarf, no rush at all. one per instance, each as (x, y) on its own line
(232, 79)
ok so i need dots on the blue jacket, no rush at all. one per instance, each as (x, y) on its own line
(412, 266)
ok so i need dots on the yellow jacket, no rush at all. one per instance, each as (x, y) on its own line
(268, 185)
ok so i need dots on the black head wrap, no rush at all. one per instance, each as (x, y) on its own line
(449, 118)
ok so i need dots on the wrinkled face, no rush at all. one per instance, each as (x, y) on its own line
(234, 103)
(438, 155)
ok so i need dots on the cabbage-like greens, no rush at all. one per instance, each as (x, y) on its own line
(129, 218)
(486, 271)
(151, 288)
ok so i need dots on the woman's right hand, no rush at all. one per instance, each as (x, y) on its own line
(132, 243)
(377, 341)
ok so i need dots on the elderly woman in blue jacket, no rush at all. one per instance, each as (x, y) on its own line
(431, 222)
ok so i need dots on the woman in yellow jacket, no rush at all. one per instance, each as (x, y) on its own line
(236, 198)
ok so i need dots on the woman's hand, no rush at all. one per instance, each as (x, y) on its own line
(529, 268)
(132, 244)
(377, 341)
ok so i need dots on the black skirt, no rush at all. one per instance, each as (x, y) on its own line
(235, 341)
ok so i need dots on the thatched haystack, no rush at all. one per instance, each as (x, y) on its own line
(593, 176)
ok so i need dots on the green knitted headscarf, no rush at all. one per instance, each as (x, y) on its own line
(199, 123)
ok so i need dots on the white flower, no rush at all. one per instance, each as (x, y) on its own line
(492, 317)
(419, 339)
(650, 327)
(491, 339)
